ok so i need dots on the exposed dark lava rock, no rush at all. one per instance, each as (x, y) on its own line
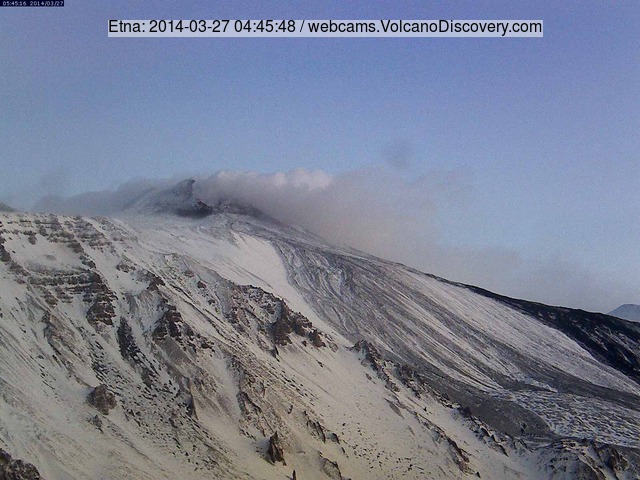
(4, 255)
(460, 457)
(131, 352)
(281, 332)
(240, 208)
(316, 428)
(316, 339)
(198, 210)
(466, 412)
(95, 289)
(191, 407)
(96, 421)
(288, 321)
(331, 469)
(11, 469)
(371, 354)
(101, 311)
(178, 200)
(412, 380)
(275, 453)
(171, 324)
(128, 348)
(101, 398)
(612, 458)
(374, 359)
(154, 281)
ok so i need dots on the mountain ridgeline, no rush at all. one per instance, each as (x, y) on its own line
(628, 311)
(179, 339)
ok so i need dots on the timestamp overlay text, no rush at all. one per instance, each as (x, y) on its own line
(324, 28)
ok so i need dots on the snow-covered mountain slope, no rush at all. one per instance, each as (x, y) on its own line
(164, 346)
(628, 311)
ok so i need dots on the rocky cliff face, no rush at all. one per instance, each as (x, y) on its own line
(227, 346)
(12, 469)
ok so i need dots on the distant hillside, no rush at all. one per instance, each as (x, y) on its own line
(628, 311)
(6, 208)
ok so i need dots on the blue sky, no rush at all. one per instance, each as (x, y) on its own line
(538, 137)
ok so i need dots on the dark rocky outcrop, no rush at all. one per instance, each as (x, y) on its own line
(373, 358)
(612, 458)
(101, 311)
(101, 398)
(316, 339)
(316, 429)
(5, 256)
(331, 469)
(154, 281)
(131, 353)
(460, 457)
(253, 309)
(197, 210)
(128, 348)
(288, 321)
(11, 469)
(96, 421)
(411, 379)
(371, 355)
(178, 200)
(191, 406)
(275, 453)
(239, 208)
(172, 325)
